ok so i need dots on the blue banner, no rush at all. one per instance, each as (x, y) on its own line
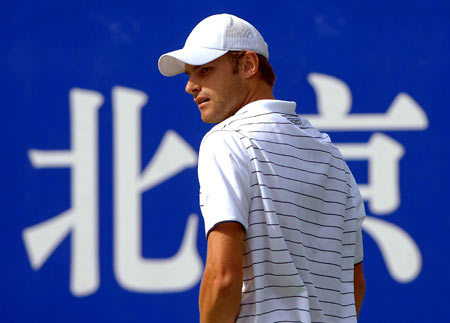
(101, 220)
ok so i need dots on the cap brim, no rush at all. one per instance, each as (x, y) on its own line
(172, 63)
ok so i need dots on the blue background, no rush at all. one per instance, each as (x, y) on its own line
(378, 48)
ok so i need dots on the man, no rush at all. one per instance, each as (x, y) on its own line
(282, 211)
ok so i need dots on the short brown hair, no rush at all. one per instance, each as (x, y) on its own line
(264, 68)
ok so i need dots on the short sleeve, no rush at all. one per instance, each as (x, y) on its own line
(360, 216)
(224, 176)
(359, 253)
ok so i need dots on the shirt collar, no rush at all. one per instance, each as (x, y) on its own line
(255, 107)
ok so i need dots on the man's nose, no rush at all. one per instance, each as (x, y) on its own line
(192, 87)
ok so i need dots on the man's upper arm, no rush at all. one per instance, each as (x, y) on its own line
(225, 247)
(220, 291)
(225, 177)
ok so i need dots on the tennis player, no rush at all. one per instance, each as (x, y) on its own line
(282, 210)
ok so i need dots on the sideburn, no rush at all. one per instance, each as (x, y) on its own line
(235, 58)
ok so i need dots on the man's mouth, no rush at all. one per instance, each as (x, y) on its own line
(201, 101)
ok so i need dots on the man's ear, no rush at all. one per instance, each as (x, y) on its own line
(250, 64)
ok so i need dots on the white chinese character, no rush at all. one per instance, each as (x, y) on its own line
(81, 220)
(400, 252)
(133, 272)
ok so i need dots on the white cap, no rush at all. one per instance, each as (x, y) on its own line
(211, 38)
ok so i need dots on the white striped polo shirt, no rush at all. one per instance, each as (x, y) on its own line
(289, 186)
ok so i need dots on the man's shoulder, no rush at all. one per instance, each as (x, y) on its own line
(254, 116)
(226, 128)
(219, 144)
(220, 130)
(221, 136)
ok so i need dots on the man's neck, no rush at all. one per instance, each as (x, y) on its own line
(262, 91)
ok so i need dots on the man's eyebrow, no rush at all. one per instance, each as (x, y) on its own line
(193, 69)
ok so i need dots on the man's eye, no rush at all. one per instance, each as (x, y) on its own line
(205, 69)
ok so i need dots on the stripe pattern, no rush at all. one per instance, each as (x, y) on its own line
(303, 219)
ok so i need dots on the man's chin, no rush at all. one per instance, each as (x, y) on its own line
(208, 118)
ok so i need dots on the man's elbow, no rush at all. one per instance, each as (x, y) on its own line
(360, 286)
(225, 282)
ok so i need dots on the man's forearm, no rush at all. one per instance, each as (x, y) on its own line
(359, 297)
(359, 286)
(219, 298)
